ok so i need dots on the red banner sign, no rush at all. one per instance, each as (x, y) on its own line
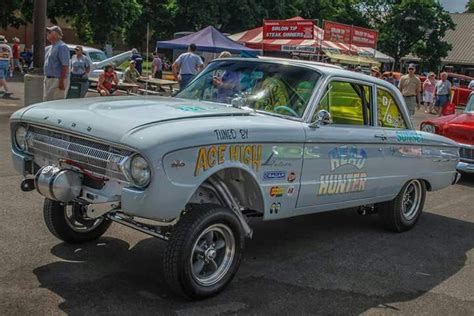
(337, 32)
(347, 34)
(284, 29)
(364, 37)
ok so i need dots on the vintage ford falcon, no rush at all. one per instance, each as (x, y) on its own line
(460, 128)
(267, 138)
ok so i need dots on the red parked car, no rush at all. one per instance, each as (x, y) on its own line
(460, 128)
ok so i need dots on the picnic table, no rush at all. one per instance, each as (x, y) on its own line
(124, 86)
(159, 83)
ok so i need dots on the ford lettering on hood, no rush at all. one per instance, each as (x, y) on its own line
(93, 116)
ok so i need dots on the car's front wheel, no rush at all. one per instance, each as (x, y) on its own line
(403, 212)
(68, 223)
(204, 251)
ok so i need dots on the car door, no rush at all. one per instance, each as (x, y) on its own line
(403, 145)
(343, 161)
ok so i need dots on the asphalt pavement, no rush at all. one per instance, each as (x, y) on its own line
(329, 263)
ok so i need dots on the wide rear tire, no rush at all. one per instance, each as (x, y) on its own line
(403, 212)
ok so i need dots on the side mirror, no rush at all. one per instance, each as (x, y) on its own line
(322, 118)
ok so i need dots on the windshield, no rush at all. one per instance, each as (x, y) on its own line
(97, 56)
(276, 88)
(470, 104)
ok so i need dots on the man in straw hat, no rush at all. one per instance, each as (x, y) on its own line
(56, 65)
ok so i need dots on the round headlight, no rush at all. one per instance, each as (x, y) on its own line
(20, 137)
(140, 171)
(428, 128)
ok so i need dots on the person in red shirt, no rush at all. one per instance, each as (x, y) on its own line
(106, 81)
(16, 54)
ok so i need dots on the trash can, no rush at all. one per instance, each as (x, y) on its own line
(77, 88)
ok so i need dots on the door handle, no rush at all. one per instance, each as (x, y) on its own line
(381, 136)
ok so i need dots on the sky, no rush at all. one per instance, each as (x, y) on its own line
(454, 5)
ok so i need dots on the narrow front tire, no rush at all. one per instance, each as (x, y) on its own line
(68, 223)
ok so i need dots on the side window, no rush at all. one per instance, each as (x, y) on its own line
(348, 103)
(389, 114)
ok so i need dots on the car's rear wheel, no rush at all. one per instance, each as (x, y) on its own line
(204, 251)
(403, 212)
(68, 223)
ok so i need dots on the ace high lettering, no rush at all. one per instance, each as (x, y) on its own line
(209, 157)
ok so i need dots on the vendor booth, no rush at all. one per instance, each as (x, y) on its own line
(208, 40)
(319, 47)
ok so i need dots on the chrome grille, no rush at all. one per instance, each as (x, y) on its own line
(94, 156)
(466, 153)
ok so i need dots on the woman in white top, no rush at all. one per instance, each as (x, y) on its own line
(80, 68)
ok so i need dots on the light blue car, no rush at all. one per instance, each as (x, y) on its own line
(269, 138)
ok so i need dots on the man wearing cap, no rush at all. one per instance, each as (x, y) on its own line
(56, 65)
(131, 74)
(410, 86)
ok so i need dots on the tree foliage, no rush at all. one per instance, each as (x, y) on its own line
(470, 6)
(418, 27)
(10, 13)
(405, 26)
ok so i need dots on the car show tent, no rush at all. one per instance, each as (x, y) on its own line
(207, 40)
(335, 51)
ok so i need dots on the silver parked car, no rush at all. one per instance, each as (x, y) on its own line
(267, 138)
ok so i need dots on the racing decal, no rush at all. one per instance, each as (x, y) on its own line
(409, 151)
(291, 177)
(342, 183)
(339, 183)
(274, 175)
(409, 137)
(342, 156)
(276, 191)
(211, 156)
(190, 108)
(275, 208)
(177, 164)
(291, 190)
(231, 134)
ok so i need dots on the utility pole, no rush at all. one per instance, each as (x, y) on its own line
(34, 81)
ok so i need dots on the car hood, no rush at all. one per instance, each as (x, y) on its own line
(114, 117)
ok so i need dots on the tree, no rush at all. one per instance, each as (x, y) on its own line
(431, 48)
(10, 15)
(416, 26)
(94, 21)
(470, 6)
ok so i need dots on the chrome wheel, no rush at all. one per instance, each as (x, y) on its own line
(212, 254)
(76, 221)
(411, 202)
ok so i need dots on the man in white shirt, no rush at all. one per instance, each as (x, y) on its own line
(186, 66)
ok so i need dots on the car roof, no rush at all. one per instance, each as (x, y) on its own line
(327, 70)
(84, 48)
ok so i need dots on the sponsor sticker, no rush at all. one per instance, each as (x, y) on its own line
(291, 177)
(275, 208)
(276, 191)
(291, 190)
(274, 175)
